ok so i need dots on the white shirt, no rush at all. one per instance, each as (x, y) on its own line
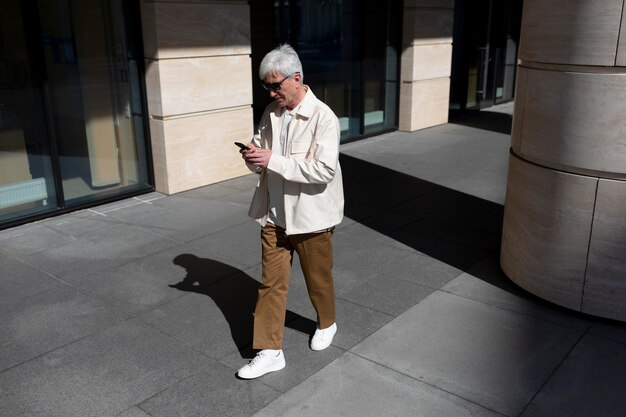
(276, 183)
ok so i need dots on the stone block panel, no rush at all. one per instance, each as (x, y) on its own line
(188, 29)
(191, 85)
(424, 104)
(621, 48)
(546, 230)
(605, 283)
(577, 32)
(518, 114)
(423, 62)
(573, 120)
(159, 162)
(195, 151)
(427, 26)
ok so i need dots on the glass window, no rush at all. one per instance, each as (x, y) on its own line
(27, 184)
(70, 104)
(90, 71)
(486, 36)
(349, 50)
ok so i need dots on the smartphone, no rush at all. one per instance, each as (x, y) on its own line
(241, 145)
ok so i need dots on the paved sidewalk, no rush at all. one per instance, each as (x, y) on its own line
(143, 307)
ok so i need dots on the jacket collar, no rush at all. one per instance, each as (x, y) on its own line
(305, 108)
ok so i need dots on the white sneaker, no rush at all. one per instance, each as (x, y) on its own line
(265, 361)
(323, 337)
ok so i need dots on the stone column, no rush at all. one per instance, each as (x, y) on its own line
(564, 235)
(425, 63)
(199, 87)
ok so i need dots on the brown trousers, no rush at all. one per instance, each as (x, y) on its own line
(315, 251)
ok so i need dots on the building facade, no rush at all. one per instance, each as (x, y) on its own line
(104, 99)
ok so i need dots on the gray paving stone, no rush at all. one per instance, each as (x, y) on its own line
(424, 270)
(476, 239)
(590, 382)
(216, 320)
(454, 254)
(101, 375)
(239, 191)
(447, 206)
(30, 239)
(212, 200)
(178, 218)
(43, 320)
(239, 245)
(421, 231)
(488, 222)
(608, 329)
(353, 386)
(355, 323)
(19, 280)
(142, 200)
(244, 183)
(361, 234)
(472, 350)
(95, 253)
(389, 221)
(134, 412)
(386, 294)
(80, 223)
(357, 260)
(211, 394)
(391, 188)
(145, 283)
(486, 283)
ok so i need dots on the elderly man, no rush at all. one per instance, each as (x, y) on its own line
(298, 202)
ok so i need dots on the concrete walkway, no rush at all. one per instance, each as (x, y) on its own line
(143, 307)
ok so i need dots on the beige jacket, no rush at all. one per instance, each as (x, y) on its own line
(313, 184)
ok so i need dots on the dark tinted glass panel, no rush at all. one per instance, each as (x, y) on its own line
(71, 122)
(91, 76)
(27, 184)
(486, 37)
(349, 51)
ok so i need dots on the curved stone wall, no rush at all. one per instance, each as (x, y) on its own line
(564, 232)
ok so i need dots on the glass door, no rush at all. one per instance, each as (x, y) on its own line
(486, 38)
(71, 94)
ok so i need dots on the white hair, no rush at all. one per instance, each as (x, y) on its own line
(282, 60)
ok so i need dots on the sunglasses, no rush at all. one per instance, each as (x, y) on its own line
(275, 86)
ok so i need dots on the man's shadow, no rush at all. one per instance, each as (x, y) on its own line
(235, 293)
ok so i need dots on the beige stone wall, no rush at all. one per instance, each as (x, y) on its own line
(199, 86)
(564, 234)
(425, 63)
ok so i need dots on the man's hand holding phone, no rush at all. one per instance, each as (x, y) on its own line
(255, 156)
(242, 146)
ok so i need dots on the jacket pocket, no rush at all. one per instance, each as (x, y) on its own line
(299, 148)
